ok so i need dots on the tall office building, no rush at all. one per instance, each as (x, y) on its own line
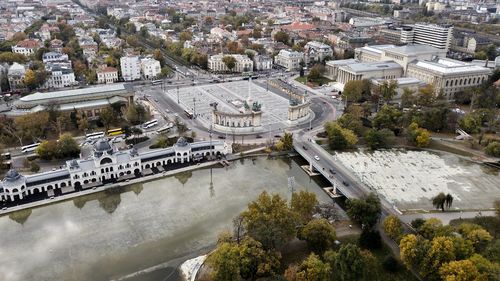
(438, 36)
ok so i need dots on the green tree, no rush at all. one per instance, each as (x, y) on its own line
(412, 250)
(393, 227)
(229, 61)
(185, 36)
(376, 139)
(30, 79)
(490, 270)
(270, 221)
(32, 126)
(338, 137)
(439, 201)
(67, 146)
(349, 264)
(433, 227)
(365, 211)
(357, 90)
(407, 98)
(254, 261)
(282, 36)
(388, 117)
(319, 235)
(351, 119)
(287, 141)
(316, 72)
(426, 96)
(157, 55)
(313, 269)
(493, 149)
(9, 57)
(107, 116)
(47, 150)
(463, 270)
(441, 251)
(224, 262)
(470, 123)
(388, 90)
(475, 233)
(303, 204)
(418, 136)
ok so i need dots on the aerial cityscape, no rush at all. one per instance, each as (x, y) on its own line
(294, 140)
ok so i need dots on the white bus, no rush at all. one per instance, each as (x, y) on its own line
(166, 128)
(94, 136)
(30, 147)
(150, 124)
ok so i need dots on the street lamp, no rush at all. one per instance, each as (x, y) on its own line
(194, 107)
(210, 135)
(178, 102)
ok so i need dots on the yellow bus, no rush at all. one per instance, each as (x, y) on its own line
(115, 132)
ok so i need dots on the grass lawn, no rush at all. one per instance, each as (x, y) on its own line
(314, 83)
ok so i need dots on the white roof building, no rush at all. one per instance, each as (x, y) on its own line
(448, 75)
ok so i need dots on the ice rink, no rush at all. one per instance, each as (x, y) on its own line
(409, 179)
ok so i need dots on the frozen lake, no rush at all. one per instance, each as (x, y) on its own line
(143, 232)
(409, 179)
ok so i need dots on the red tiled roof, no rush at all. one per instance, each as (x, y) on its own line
(299, 26)
(28, 43)
(108, 69)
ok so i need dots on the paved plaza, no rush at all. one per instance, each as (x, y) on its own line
(409, 179)
(230, 97)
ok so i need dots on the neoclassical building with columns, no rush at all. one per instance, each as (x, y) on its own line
(107, 165)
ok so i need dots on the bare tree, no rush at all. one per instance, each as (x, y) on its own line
(238, 228)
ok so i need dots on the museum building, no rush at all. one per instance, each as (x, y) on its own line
(107, 164)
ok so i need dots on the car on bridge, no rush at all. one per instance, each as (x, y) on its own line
(316, 157)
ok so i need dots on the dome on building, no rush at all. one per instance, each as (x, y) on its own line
(102, 145)
(134, 152)
(182, 142)
(12, 175)
(73, 163)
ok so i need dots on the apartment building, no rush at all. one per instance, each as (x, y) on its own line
(436, 35)
(26, 47)
(243, 63)
(131, 68)
(316, 51)
(107, 75)
(150, 68)
(289, 59)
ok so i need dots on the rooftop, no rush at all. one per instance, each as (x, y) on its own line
(70, 93)
(415, 50)
(379, 49)
(450, 66)
(371, 66)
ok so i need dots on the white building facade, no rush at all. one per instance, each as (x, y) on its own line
(150, 68)
(131, 68)
(289, 59)
(107, 165)
(316, 51)
(107, 75)
(243, 63)
(448, 75)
